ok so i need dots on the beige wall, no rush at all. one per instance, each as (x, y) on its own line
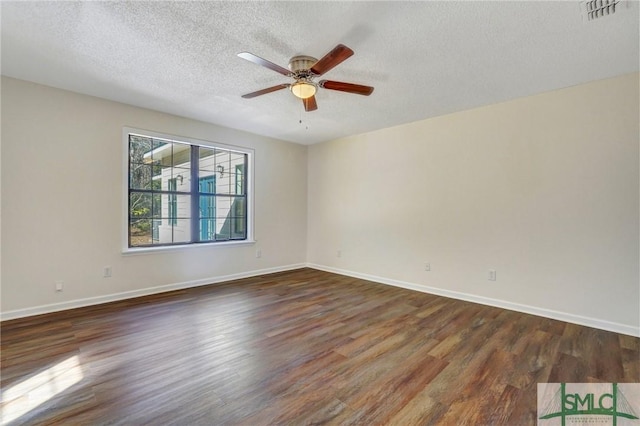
(543, 189)
(62, 186)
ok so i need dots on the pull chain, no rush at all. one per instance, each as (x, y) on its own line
(300, 121)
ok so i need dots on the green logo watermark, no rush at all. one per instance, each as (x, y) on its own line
(614, 404)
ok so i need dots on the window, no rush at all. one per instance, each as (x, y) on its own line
(180, 192)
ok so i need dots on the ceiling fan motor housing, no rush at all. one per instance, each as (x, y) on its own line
(301, 63)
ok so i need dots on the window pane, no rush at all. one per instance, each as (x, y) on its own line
(208, 206)
(207, 183)
(156, 206)
(159, 172)
(222, 183)
(223, 228)
(172, 202)
(238, 218)
(183, 206)
(207, 229)
(140, 232)
(140, 176)
(172, 184)
(181, 155)
(157, 144)
(222, 160)
(138, 147)
(144, 205)
(223, 206)
(158, 154)
(182, 231)
(238, 207)
(236, 158)
(238, 229)
(207, 159)
(182, 175)
(239, 180)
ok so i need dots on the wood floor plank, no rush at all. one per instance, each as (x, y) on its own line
(420, 410)
(297, 348)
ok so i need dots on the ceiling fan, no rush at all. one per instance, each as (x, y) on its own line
(303, 69)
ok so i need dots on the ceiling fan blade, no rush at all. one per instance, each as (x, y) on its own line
(258, 60)
(265, 91)
(358, 89)
(331, 59)
(310, 104)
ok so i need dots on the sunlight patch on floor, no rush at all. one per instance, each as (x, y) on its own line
(23, 397)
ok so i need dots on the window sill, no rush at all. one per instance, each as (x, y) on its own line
(167, 249)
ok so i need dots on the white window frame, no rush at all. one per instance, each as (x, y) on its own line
(249, 176)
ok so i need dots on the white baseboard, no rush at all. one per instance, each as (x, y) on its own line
(79, 303)
(547, 313)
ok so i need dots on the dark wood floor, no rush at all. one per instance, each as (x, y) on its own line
(301, 347)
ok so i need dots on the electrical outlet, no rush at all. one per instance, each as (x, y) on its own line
(258, 254)
(59, 285)
(339, 253)
(107, 272)
(427, 266)
(492, 274)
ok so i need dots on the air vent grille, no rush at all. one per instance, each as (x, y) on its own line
(595, 9)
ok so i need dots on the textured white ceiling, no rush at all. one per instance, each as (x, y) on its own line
(424, 58)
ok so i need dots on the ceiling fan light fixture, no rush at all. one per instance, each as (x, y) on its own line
(303, 89)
